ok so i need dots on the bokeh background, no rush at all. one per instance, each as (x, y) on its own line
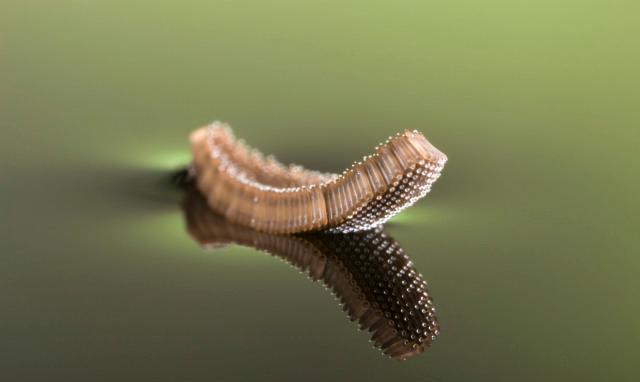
(529, 240)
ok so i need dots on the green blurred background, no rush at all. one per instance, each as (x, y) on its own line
(529, 240)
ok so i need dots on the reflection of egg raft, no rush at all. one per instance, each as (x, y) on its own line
(367, 271)
(267, 196)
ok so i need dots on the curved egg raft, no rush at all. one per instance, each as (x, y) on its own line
(368, 272)
(261, 193)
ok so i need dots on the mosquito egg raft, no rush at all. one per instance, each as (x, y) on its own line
(260, 192)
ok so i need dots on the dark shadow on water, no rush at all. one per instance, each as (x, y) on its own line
(368, 272)
(141, 189)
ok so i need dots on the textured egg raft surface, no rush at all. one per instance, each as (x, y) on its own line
(261, 193)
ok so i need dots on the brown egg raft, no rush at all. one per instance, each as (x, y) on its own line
(261, 193)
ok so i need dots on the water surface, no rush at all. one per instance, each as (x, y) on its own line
(528, 240)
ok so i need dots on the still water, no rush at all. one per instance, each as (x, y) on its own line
(528, 242)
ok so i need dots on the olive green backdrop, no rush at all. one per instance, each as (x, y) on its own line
(529, 240)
